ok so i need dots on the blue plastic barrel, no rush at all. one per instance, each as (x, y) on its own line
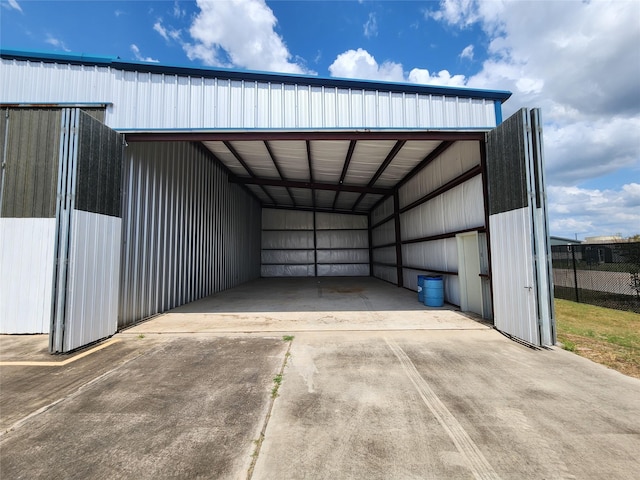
(420, 288)
(433, 291)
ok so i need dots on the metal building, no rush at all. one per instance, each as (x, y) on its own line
(129, 189)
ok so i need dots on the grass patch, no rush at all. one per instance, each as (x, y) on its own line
(610, 337)
(277, 381)
(288, 338)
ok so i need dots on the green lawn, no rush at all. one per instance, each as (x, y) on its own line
(610, 337)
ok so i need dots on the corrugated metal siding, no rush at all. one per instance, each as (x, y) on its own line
(299, 243)
(26, 274)
(32, 158)
(191, 102)
(384, 234)
(512, 274)
(187, 231)
(93, 279)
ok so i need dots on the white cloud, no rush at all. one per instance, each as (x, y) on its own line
(371, 26)
(443, 77)
(361, 64)
(118, 13)
(138, 56)
(592, 212)
(158, 27)
(12, 5)
(578, 61)
(467, 52)
(239, 33)
(177, 11)
(56, 43)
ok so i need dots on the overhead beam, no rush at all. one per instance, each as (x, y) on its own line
(275, 164)
(313, 192)
(200, 136)
(390, 156)
(314, 186)
(345, 167)
(247, 168)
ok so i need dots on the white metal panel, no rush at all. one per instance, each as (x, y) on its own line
(338, 221)
(389, 274)
(194, 102)
(93, 281)
(384, 234)
(292, 158)
(344, 256)
(256, 156)
(368, 201)
(275, 219)
(222, 152)
(342, 239)
(346, 200)
(385, 255)
(457, 159)
(290, 257)
(514, 304)
(328, 159)
(302, 196)
(367, 157)
(26, 274)
(287, 271)
(341, 270)
(408, 157)
(463, 206)
(424, 220)
(382, 211)
(289, 239)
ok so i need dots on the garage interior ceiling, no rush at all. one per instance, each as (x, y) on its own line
(345, 172)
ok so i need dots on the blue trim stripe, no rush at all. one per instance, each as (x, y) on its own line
(498, 106)
(499, 96)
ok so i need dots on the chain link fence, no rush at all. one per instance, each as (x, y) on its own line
(607, 275)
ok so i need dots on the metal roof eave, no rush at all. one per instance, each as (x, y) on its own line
(117, 63)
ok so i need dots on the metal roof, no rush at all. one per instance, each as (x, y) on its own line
(117, 63)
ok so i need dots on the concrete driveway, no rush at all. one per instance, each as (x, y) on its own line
(441, 403)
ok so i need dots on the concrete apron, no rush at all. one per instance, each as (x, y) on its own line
(376, 404)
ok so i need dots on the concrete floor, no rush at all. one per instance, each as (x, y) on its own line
(360, 400)
(310, 304)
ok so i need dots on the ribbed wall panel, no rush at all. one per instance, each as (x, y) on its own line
(187, 231)
(26, 274)
(93, 278)
(457, 159)
(194, 102)
(301, 243)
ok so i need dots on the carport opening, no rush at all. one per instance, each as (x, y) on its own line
(332, 207)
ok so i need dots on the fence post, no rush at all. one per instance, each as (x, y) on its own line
(575, 273)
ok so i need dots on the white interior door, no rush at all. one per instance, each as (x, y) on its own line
(469, 273)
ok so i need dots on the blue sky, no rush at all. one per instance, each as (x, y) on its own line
(579, 61)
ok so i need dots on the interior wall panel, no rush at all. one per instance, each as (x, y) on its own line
(301, 243)
(187, 232)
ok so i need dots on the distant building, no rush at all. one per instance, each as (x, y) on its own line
(564, 241)
(605, 239)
